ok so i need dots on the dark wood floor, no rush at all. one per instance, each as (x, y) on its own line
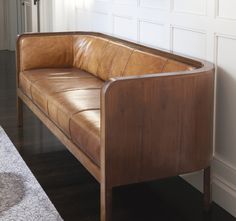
(72, 189)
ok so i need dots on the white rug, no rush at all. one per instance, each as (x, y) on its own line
(21, 196)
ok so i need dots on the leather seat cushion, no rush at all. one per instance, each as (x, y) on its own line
(62, 106)
(71, 99)
(39, 87)
(55, 88)
(27, 78)
(60, 94)
(85, 132)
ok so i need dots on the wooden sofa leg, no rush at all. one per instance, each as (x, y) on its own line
(106, 203)
(19, 106)
(207, 189)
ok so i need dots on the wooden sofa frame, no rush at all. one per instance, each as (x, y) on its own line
(183, 134)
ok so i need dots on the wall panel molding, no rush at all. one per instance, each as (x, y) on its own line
(223, 183)
(155, 4)
(122, 27)
(225, 10)
(193, 7)
(224, 177)
(225, 116)
(194, 44)
(152, 33)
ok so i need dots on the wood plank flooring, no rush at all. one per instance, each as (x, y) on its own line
(73, 190)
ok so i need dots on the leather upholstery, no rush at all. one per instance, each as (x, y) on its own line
(62, 106)
(98, 56)
(142, 62)
(174, 66)
(26, 78)
(52, 87)
(63, 76)
(114, 61)
(88, 52)
(48, 52)
(85, 132)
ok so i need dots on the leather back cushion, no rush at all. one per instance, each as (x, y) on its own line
(101, 57)
(46, 52)
(114, 60)
(174, 66)
(88, 52)
(144, 63)
(105, 59)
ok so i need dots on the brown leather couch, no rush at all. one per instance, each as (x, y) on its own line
(127, 112)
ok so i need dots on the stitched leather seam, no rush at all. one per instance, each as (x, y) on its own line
(72, 48)
(77, 113)
(31, 90)
(77, 89)
(127, 62)
(88, 109)
(100, 62)
(112, 61)
(49, 78)
(166, 62)
(84, 62)
(48, 96)
(43, 78)
(29, 82)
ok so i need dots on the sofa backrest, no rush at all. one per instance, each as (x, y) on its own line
(101, 56)
(106, 58)
(46, 52)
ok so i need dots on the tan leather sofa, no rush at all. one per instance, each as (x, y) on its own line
(128, 113)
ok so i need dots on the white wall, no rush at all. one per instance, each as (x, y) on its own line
(11, 24)
(202, 28)
(46, 15)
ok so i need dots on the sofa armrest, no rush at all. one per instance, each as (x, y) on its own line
(44, 50)
(156, 126)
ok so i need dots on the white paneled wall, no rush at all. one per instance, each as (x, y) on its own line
(201, 28)
(189, 41)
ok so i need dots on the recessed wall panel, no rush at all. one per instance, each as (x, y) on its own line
(125, 27)
(189, 42)
(226, 102)
(190, 6)
(101, 23)
(226, 9)
(152, 33)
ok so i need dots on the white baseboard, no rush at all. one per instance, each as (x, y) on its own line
(223, 183)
